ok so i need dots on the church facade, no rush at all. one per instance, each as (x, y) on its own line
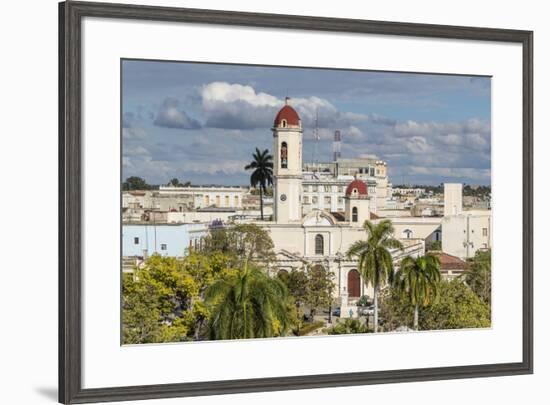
(316, 237)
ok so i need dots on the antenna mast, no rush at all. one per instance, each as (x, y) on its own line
(336, 146)
(316, 137)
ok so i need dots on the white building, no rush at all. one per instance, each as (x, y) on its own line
(464, 231)
(324, 183)
(209, 196)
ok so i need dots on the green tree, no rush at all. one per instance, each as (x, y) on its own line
(241, 242)
(457, 307)
(434, 245)
(174, 182)
(262, 175)
(320, 286)
(478, 275)
(296, 282)
(135, 183)
(248, 304)
(375, 260)
(151, 299)
(418, 279)
(348, 326)
(163, 300)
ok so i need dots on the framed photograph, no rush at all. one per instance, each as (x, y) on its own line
(257, 202)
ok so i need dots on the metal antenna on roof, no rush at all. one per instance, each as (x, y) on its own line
(316, 136)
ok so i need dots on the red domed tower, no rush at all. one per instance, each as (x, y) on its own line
(287, 165)
(357, 203)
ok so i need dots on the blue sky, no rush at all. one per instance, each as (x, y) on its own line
(201, 122)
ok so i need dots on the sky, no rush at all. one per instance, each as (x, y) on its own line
(201, 122)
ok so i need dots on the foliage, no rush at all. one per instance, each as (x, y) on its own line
(296, 282)
(348, 326)
(418, 280)
(135, 183)
(268, 191)
(375, 260)
(363, 301)
(309, 327)
(262, 175)
(320, 286)
(162, 301)
(457, 307)
(478, 276)
(176, 183)
(248, 304)
(433, 245)
(241, 243)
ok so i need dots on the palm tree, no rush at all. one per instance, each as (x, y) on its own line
(418, 279)
(262, 176)
(375, 260)
(249, 304)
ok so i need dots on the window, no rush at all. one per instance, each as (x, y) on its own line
(217, 201)
(306, 199)
(327, 189)
(136, 241)
(314, 189)
(284, 153)
(354, 214)
(372, 171)
(340, 189)
(283, 123)
(327, 200)
(227, 201)
(319, 244)
(407, 234)
(484, 231)
(236, 201)
(207, 200)
(438, 235)
(163, 246)
(314, 200)
(340, 201)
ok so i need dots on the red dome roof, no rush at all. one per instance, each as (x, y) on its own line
(289, 114)
(358, 185)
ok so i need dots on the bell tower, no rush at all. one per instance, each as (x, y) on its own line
(287, 165)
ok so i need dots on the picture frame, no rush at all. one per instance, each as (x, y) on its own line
(71, 15)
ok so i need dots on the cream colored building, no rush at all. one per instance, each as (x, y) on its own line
(324, 183)
(464, 231)
(209, 196)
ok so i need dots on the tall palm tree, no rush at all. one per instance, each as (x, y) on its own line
(262, 176)
(375, 260)
(249, 304)
(418, 279)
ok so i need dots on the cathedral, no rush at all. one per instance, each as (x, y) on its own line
(318, 238)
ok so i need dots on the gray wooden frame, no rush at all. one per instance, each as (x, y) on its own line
(70, 196)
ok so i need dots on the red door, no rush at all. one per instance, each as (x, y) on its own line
(354, 284)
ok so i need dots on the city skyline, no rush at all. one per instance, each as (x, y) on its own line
(201, 122)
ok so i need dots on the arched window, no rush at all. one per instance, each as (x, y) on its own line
(354, 284)
(284, 156)
(354, 214)
(319, 244)
(283, 123)
(438, 235)
(407, 234)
